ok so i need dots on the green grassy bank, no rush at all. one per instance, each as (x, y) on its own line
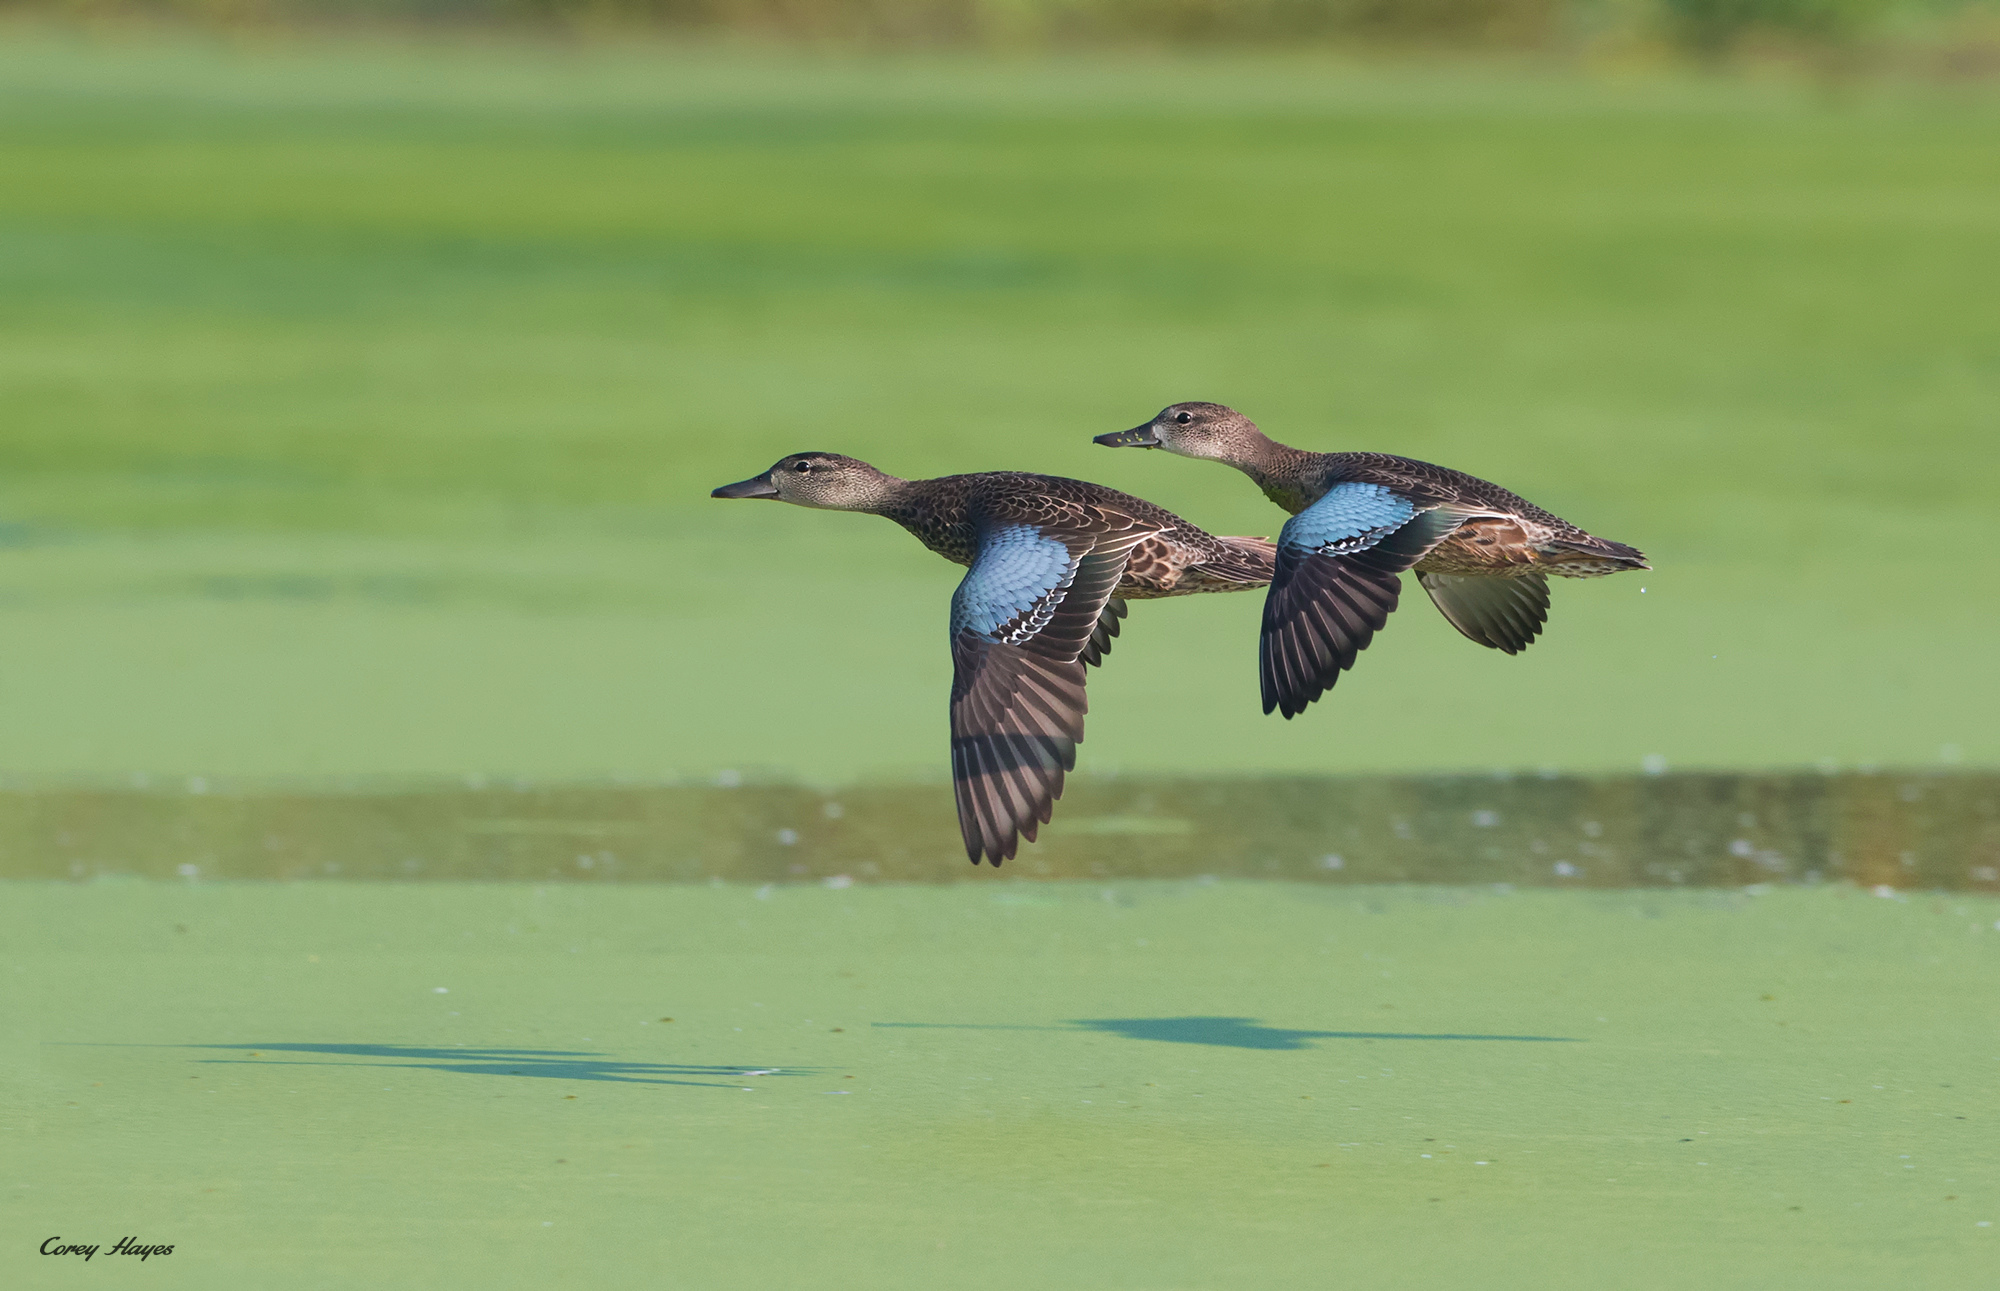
(1140, 1084)
(360, 402)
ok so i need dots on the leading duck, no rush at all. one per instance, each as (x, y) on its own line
(1358, 521)
(1051, 564)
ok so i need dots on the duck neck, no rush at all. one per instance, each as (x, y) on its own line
(886, 495)
(935, 513)
(1278, 469)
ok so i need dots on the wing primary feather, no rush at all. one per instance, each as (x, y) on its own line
(1323, 610)
(980, 787)
(1102, 634)
(969, 828)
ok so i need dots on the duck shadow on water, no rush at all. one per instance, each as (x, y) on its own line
(1231, 1033)
(548, 1064)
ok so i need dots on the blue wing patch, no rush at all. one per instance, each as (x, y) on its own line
(1009, 584)
(1348, 517)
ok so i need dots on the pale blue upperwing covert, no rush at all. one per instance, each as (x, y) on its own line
(1351, 517)
(1010, 588)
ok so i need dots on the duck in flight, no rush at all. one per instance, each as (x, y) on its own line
(1361, 519)
(1050, 565)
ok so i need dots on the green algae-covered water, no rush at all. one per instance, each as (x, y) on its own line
(1001, 1084)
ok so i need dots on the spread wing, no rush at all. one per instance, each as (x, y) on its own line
(1033, 609)
(1336, 585)
(1504, 613)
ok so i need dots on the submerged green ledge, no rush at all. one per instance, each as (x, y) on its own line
(1902, 830)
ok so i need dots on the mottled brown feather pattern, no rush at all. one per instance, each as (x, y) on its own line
(1171, 557)
(1502, 531)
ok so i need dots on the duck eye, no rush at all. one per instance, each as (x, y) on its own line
(1184, 417)
(802, 467)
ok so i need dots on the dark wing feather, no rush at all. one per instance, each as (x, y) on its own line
(1017, 698)
(1329, 598)
(1504, 613)
(1324, 613)
(1099, 644)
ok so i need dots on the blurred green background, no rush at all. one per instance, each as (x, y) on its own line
(359, 397)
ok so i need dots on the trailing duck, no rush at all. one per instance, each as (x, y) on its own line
(1361, 519)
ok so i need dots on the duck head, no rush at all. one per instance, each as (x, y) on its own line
(1195, 430)
(825, 480)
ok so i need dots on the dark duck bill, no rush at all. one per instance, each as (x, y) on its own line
(1137, 437)
(757, 486)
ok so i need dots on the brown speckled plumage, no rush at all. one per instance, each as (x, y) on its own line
(1169, 558)
(1502, 533)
